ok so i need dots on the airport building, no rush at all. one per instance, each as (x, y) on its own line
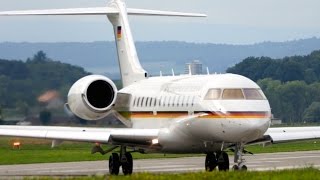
(195, 67)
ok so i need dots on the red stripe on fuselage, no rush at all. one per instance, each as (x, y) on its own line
(207, 115)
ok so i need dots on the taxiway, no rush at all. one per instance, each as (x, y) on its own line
(172, 165)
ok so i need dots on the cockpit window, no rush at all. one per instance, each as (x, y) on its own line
(213, 94)
(253, 94)
(232, 94)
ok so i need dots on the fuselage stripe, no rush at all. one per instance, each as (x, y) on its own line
(207, 115)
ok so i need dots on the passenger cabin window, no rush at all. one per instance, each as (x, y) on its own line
(178, 101)
(147, 102)
(141, 102)
(213, 94)
(232, 94)
(253, 94)
(138, 102)
(134, 101)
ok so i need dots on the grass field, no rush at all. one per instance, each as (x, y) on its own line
(40, 151)
(307, 173)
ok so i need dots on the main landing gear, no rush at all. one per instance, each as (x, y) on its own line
(220, 159)
(124, 160)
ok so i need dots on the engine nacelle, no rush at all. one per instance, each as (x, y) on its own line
(92, 97)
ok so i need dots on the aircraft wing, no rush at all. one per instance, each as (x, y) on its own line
(285, 134)
(100, 135)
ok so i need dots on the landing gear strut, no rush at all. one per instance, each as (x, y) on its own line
(238, 158)
(125, 160)
(221, 159)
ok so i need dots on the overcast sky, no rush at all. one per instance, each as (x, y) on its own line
(228, 21)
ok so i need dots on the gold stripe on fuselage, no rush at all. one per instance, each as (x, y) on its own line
(209, 115)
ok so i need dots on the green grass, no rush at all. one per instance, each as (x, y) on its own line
(286, 147)
(307, 173)
(40, 151)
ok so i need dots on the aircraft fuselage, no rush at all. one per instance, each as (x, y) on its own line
(192, 119)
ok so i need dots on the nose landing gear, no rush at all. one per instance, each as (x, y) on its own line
(238, 158)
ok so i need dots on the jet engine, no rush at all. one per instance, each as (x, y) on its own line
(92, 97)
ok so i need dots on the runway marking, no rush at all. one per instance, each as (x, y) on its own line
(40, 168)
(278, 158)
(262, 162)
(283, 167)
(164, 166)
(177, 170)
(66, 171)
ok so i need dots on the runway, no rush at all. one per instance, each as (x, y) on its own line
(254, 162)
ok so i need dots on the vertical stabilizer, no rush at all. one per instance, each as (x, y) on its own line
(130, 67)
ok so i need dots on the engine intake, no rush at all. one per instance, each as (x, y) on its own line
(92, 97)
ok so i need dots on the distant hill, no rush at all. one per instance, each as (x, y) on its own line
(100, 57)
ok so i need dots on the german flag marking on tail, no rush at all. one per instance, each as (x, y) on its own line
(119, 32)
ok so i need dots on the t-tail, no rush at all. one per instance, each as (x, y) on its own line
(116, 11)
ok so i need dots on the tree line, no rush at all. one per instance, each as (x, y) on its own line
(291, 84)
(295, 68)
(22, 82)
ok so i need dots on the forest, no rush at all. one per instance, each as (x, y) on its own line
(291, 84)
(22, 82)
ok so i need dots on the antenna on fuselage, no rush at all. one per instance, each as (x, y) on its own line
(208, 72)
(190, 73)
(172, 72)
(160, 73)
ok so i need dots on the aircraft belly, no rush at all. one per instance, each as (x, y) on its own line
(201, 135)
(229, 129)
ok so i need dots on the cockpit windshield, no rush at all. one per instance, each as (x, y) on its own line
(234, 94)
(213, 94)
(253, 94)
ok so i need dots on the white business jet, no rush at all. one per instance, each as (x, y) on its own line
(175, 114)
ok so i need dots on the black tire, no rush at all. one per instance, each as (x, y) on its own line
(223, 161)
(244, 168)
(211, 162)
(128, 165)
(114, 164)
(235, 167)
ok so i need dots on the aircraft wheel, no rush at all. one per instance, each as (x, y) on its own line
(243, 168)
(128, 165)
(211, 162)
(114, 164)
(235, 167)
(223, 161)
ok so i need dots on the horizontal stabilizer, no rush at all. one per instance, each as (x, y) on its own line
(74, 11)
(162, 13)
(98, 11)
